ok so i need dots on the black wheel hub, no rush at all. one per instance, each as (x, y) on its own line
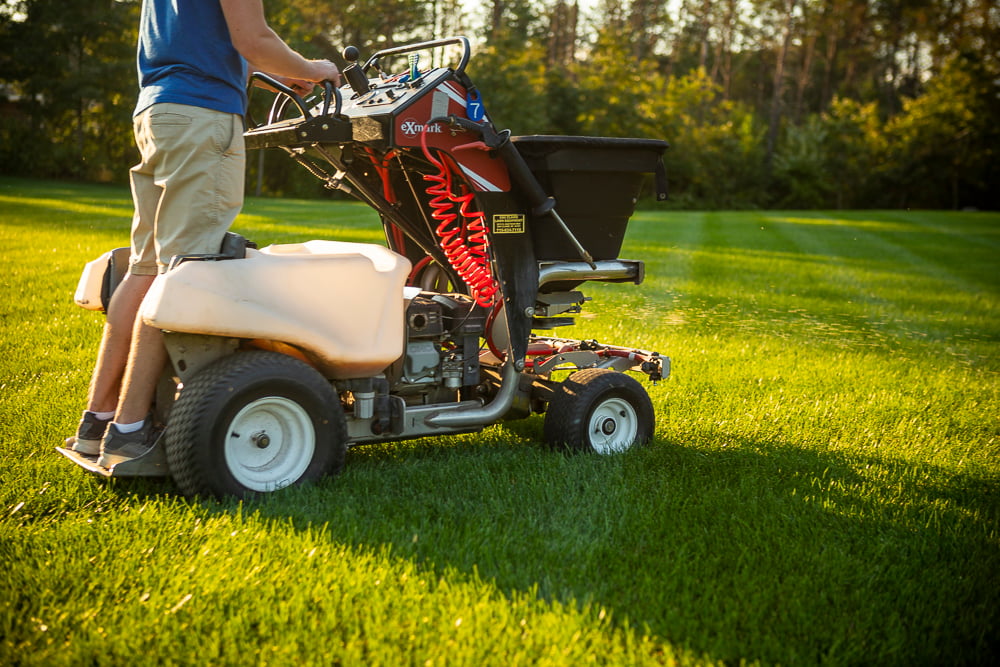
(262, 439)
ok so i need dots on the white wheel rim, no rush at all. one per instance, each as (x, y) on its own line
(613, 426)
(270, 444)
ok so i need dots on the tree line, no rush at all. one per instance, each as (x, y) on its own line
(766, 103)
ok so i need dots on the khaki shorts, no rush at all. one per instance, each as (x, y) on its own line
(188, 185)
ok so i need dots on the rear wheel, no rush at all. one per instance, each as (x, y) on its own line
(599, 410)
(252, 423)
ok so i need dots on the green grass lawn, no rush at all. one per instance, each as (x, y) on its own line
(823, 486)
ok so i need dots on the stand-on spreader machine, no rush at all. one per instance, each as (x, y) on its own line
(283, 357)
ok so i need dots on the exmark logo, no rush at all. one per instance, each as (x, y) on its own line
(412, 128)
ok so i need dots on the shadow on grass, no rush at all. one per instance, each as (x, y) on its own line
(757, 551)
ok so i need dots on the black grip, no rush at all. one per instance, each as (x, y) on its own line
(357, 78)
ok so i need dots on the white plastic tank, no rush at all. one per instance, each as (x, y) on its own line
(340, 303)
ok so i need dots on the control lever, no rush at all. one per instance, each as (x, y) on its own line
(280, 87)
(541, 203)
(353, 72)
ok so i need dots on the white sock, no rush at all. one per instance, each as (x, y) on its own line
(103, 416)
(129, 428)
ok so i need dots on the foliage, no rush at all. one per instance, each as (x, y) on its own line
(618, 94)
(948, 138)
(507, 79)
(70, 66)
(801, 175)
(802, 103)
(854, 148)
(715, 159)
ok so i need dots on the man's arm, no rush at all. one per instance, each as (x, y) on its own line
(261, 46)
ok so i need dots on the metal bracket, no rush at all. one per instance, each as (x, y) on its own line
(189, 353)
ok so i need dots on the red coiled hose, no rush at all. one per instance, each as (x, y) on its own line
(462, 236)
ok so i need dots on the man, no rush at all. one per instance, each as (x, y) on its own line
(193, 61)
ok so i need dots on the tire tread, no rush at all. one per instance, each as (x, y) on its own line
(201, 395)
(568, 412)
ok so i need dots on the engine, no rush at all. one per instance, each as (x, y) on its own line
(442, 347)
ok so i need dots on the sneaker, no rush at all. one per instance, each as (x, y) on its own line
(118, 446)
(89, 435)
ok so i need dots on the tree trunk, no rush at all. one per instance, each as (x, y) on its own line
(802, 80)
(779, 85)
(497, 18)
(706, 9)
(722, 67)
(562, 34)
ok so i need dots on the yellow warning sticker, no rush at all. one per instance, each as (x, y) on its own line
(508, 223)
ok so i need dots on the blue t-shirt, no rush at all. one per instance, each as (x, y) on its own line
(186, 56)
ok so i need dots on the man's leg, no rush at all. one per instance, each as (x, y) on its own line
(131, 433)
(112, 356)
(146, 360)
(116, 341)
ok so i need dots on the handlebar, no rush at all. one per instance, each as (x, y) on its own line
(420, 46)
(329, 90)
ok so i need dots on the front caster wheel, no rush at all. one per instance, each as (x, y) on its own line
(599, 410)
(252, 423)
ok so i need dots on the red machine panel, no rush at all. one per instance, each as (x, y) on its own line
(484, 172)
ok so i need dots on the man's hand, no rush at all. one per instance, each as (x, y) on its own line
(326, 71)
(302, 87)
